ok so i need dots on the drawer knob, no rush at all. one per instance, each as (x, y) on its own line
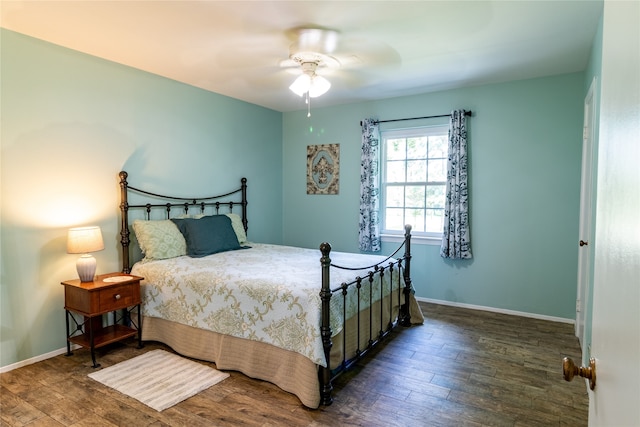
(117, 297)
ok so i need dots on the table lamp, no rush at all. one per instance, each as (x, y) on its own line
(82, 240)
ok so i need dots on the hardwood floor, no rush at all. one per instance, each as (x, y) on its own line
(461, 368)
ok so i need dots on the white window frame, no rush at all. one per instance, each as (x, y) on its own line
(427, 238)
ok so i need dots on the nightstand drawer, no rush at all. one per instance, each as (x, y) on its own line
(117, 297)
(106, 293)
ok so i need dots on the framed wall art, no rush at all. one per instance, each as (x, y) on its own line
(323, 169)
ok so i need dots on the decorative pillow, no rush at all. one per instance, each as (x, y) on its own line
(236, 223)
(159, 239)
(208, 235)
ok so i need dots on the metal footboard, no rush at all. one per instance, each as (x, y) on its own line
(402, 267)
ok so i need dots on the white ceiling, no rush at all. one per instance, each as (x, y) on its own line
(389, 48)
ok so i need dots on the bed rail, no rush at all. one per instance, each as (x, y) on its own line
(176, 202)
(402, 266)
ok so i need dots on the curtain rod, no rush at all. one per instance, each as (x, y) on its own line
(466, 113)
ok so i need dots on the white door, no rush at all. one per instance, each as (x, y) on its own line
(616, 300)
(586, 207)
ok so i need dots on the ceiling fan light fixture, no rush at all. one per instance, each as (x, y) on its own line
(309, 82)
(319, 86)
(301, 84)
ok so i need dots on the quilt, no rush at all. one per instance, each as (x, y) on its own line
(268, 293)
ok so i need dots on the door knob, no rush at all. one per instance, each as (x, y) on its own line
(583, 243)
(569, 370)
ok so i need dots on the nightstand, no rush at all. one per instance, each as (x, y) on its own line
(108, 293)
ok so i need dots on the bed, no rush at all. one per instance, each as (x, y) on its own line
(295, 317)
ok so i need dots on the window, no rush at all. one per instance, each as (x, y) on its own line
(414, 175)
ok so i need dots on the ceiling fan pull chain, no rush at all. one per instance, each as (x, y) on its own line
(308, 105)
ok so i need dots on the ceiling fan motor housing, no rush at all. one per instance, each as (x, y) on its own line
(313, 60)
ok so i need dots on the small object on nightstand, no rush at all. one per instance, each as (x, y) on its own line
(106, 293)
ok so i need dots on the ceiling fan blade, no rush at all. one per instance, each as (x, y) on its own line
(358, 52)
(255, 49)
(310, 39)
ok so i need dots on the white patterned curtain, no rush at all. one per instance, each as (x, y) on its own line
(369, 235)
(456, 243)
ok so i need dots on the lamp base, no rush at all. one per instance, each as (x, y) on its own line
(86, 266)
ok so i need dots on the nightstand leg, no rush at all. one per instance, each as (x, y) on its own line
(93, 348)
(140, 345)
(66, 318)
(93, 359)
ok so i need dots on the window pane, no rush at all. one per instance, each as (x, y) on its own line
(394, 197)
(438, 146)
(415, 217)
(416, 171)
(396, 149)
(435, 196)
(415, 196)
(435, 220)
(396, 171)
(437, 170)
(417, 148)
(393, 219)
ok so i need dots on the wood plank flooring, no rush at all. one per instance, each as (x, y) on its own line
(461, 368)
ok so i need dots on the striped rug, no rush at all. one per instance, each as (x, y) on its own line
(159, 379)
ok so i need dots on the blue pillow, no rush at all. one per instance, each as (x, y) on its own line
(207, 235)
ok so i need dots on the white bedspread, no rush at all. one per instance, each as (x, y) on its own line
(267, 293)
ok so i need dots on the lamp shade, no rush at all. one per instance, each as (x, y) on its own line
(82, 240)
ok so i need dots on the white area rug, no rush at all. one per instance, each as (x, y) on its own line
(159, 379)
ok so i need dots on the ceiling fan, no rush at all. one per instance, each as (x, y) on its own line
(310, 52)
(316, 52)
(320, 57)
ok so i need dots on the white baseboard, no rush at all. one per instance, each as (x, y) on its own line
(498, 310)
(36, 359)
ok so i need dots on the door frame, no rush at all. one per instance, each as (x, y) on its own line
(585, 253)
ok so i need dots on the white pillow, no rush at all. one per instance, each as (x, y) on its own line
(159, 239)
(236, 223)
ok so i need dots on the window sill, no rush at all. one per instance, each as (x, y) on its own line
(418, 240)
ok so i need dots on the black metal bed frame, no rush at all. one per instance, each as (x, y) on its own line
(401, 266)
(184, 203)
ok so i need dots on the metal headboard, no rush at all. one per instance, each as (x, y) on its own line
(174, 202)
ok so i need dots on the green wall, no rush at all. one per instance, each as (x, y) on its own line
(525, 154)
(70, 123)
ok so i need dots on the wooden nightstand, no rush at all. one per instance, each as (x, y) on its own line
(107, 293)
